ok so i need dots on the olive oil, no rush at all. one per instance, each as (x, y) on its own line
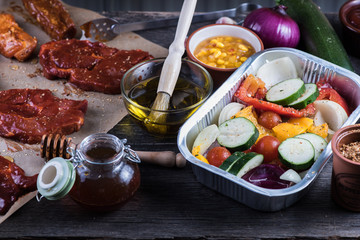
(186, 94)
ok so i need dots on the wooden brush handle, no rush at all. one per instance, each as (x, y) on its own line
(171, 68)
(165, 158)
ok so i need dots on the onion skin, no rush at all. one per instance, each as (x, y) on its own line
(274, 27)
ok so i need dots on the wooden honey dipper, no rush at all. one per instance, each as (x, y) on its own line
(55, 145)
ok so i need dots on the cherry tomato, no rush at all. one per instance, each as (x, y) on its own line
(267, 146)
(269, 119)
(217, 155)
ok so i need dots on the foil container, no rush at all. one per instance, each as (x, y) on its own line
(311, 69)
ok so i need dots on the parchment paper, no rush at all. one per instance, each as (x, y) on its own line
(104, 111)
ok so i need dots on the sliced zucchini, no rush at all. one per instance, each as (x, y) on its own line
(309, 96)
(296, 153)
(227, 164)
(246, 163)
(237, 134)
(286, 91)
(318, 142)
(206, 137)
(228, 111)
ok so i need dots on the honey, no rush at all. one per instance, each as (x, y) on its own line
(101, 175)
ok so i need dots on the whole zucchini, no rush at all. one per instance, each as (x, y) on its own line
(319, 37)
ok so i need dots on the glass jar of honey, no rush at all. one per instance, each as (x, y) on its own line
(102, 173)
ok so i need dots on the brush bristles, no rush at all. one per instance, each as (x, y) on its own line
(161, 102)
(155, 122)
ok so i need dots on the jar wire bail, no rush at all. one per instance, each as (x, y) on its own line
(130, 154)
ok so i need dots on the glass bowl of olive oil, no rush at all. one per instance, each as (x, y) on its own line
(139, 90)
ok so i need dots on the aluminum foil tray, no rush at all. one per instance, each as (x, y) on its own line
(311, 69)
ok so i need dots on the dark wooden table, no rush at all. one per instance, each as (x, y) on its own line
(171, 204)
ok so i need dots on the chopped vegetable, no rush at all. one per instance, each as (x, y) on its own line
(251, 85)
(277, 71)
(286, 92)
(195, 153)
(332, 113)
(291, 176)
(227, 164)
(318, 142)
(321, 130)
(237, 134)
(229, 111)
(287, 130)
(309, 96)
(249, 114)
(296, 153)
(267, 176)
(303, 122)
(332, 95)
(245, 163)
(205, 138)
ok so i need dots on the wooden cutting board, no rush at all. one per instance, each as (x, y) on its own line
(104, 111)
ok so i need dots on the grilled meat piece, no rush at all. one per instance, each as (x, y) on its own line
(27, 114)
(91, 66)
(14, 41)
(52, 17)
(13, 184)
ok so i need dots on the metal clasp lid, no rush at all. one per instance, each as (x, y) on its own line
(130, 154)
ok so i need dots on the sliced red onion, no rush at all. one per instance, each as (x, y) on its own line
(267, 176)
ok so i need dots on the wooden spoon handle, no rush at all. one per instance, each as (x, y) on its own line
(170, 71)
(165, 158)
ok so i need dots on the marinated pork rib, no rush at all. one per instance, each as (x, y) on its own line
(91, 66)
(27, 114)
(14, 184)
(14, 41)
(52, 17)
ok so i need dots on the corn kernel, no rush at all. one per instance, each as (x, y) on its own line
(212, 50)
(232, 59)
(217, 54)
(220, 45)
(223, 55)
(238, 64)
(228, 39)
(211, 58)
(220, 61)
(242, 47)
(243, 59)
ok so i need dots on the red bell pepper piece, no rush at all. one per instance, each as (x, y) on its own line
(252, 85)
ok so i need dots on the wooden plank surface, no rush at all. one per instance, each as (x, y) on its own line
(171, 204)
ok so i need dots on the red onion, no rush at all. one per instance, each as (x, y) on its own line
(267, 176)
(274, 27)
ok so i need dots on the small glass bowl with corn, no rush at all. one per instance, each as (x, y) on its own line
(222, 48)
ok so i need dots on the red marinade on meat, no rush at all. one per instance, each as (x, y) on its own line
(27, 114)
(13, 184)
(91, 66)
